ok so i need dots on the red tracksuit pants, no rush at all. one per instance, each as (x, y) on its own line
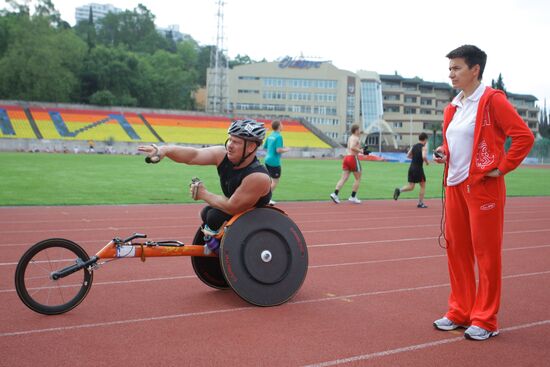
(474, 215)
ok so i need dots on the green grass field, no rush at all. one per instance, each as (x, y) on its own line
(68, 179)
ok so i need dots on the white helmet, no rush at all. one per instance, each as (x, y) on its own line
(248, 129)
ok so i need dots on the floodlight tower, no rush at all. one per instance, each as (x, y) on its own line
(217, 79)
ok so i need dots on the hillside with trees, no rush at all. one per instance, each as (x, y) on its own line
(119, 60)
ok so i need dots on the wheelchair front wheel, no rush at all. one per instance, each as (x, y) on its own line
(34, 282)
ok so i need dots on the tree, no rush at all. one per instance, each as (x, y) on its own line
(112, 69)
(240, 60)
(134, 29)
(86, 30)
(40, 62)
(499, 84)
(122, 60)
(91, 33)
(203, 63)
(46, 9)
(541, 149)
(103, 98)
(166, 82)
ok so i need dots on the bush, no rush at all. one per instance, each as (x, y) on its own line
(103, 98)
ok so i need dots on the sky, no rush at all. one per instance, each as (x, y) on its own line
(386, 36)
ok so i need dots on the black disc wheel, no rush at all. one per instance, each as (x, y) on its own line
(264, 257)
(208, 269)
(36, 286)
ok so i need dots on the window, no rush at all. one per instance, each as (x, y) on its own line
(410, 99)
(391, 109)
(398, 124)
(410, 111)
(391, 97)
(426, 101)
(273, 94)
(391, 85)
(248, 91)
(425, 111)
(274, 82)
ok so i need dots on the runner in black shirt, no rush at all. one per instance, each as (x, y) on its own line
(418, 155)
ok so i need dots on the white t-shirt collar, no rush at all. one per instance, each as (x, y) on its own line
(474, 97)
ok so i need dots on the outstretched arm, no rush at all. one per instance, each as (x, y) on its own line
(187, 155)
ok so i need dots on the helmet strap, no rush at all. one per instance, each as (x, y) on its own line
(245, 156)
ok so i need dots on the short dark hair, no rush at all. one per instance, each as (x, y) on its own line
(354, 128)
(472, 56)
(422, 136)
(275, 124)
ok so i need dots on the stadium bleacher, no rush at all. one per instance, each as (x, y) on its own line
(14, 123)
(297, 135)
(211, 130)
(104, 125)
(207, 130)
(68, 124)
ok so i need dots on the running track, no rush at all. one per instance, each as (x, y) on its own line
(376, 281)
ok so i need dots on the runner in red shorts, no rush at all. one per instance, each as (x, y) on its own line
(350, 164)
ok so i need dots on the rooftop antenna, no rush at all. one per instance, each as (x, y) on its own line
(217, 82)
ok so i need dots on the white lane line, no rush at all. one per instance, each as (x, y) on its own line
(203, 313)
(195, 217)
(397, 240)
(365, 262)
(147, 280)
(414, 347)
(408, 289)
(182, 226)
(415, 258)
(97, 229)
(117, 282)
(331, 244)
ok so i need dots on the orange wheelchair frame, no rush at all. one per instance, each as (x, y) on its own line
(262, 257)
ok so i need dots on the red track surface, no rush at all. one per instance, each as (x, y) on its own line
(376, 281)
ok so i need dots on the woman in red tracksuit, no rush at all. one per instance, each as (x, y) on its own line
(475, 127)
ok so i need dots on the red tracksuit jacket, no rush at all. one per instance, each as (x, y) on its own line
(494, 122)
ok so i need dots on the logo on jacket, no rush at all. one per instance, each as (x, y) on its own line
(484, 158)
(488, 206)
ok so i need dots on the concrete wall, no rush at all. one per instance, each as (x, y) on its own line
(78, 146)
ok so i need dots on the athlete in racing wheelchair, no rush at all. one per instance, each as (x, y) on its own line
(244, 180)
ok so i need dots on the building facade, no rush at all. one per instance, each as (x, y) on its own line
(525, 105)
(315, 91)
(82, 13)
(412, 106)
(392, 110)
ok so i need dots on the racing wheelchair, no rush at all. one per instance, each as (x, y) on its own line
(262, 257)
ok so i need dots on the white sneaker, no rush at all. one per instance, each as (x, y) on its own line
(354, 200)
(445, 324)
(272, 202)
(478, 333)
(335, 198)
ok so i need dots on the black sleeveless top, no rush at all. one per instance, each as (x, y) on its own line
(417, 159)
(230, 178)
